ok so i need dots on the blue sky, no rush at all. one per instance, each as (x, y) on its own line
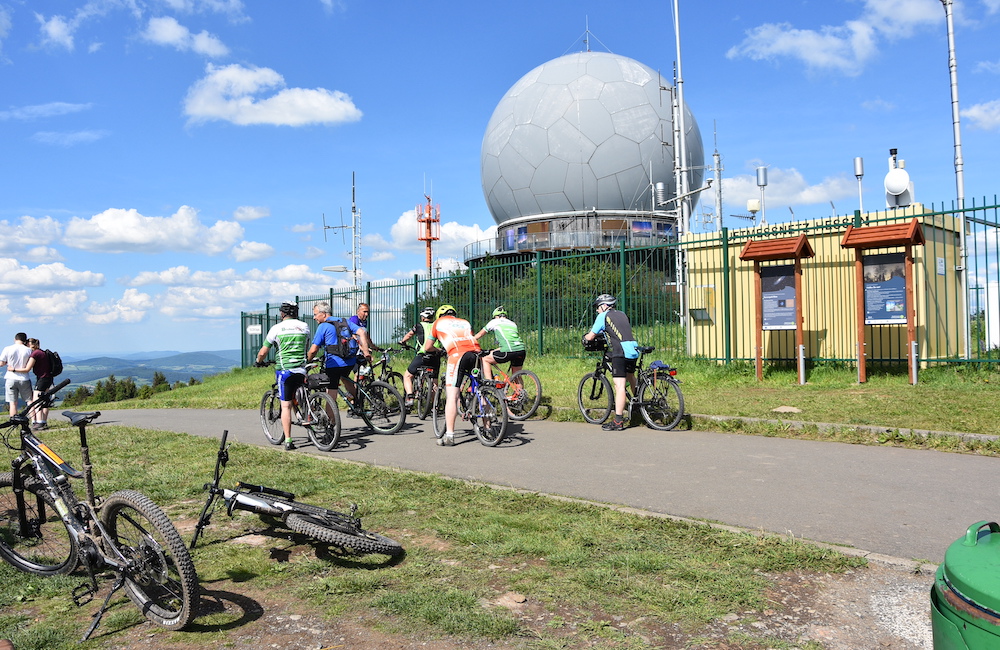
(167, 163)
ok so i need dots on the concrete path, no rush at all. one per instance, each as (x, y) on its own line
(904, 503)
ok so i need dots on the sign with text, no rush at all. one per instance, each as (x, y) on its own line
(778, 297)
(885, 289)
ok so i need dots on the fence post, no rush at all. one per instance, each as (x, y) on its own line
(538, 298)
(471, 275)
(416, 296)
(726, 325)
(624, 275)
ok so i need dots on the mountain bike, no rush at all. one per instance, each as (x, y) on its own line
(312, 408)
(46, 530)
(379, 404)
(382, 369)
(480, 401)
(522, 390)
(322, 524)
(658, 394)
(424, 388)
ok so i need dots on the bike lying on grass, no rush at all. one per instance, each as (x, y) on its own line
(322, 524)
(46, 530)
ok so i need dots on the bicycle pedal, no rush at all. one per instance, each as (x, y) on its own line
(83, 595)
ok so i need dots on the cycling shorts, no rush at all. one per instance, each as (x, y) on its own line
(515, 359)
(432, 361)
(621, 367)
(459, 367)
(288, 382)
(337, 373)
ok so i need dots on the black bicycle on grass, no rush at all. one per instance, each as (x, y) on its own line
(312, 408)
(322, 524)
(46, 530)
(658, 394)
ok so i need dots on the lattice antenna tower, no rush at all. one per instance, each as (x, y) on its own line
(355, 229)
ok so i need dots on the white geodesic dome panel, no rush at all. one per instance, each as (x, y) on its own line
(582, 133)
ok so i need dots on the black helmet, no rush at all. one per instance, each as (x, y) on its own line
(289, 309)
(605, 299)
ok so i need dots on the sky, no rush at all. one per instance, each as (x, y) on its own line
(168, 164)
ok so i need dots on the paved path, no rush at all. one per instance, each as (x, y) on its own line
(900, 502)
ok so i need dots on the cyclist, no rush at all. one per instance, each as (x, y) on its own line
(622, 350)
(290, 336)
(341, 341)
(510, 348)
(431, 359)
(455, 335)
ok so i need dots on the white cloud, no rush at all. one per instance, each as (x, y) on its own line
(248, 251)
(130, 308)
(251, 213)
(382, 256)
(312, 252)
(69, 139)
(842, 48)
(233, 94)
(46, 307)
(39, 111)
(118, 231)
(984, 116)
(167, 31)
(56, 31)
(878, 105)
(29, 231)
(785, 187)
(992, 67)
(233, 8)
(15, 277)
(303, 227)
(41, 254)
(454, 236)
(992, 6)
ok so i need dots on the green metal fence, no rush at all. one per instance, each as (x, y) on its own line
(550, 294)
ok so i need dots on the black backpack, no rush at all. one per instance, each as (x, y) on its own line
(55, 362)
(345, 347)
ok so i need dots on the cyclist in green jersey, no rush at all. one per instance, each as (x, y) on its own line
(431, 359)
(290, 337)
(510, 347)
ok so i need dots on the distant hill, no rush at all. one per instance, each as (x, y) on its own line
(176, 366)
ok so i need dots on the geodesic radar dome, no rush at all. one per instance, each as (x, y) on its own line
(582, 133)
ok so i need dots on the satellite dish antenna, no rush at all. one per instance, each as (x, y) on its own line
(898, 186)
(897, 181)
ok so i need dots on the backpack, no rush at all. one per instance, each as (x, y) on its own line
(55, 362)
(346, 346)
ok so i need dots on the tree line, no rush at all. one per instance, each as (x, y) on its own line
(117, 390)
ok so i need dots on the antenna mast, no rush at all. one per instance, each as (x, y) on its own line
(429, 227)
(356, 239)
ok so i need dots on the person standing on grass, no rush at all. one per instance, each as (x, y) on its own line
(17, 382)
(290, 337)
(38, 363)
(623, 350)
(460, 345)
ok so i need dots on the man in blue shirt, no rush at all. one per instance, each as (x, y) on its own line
(337, 366)
(622, 350)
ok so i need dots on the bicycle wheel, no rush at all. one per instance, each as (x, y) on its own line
(318, 526)
(440, 399)
(48, 549)
(423, 394)
(382, 407)
(160, 577)
(270, 417)
(489, 416)
(661, 403)
(324, 427)
(220, 468)
(594, 398)
(395, 380)
(524, 394)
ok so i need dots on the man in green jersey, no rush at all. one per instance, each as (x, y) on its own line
(290, 337)
(510, 348)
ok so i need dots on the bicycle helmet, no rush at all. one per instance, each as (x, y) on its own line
(499, 311)
(289, 309)
(605, 299)
(427, 313)
(445, 310)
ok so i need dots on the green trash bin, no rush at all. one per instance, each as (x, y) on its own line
(965, 598)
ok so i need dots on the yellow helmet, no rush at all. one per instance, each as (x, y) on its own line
(444, 310)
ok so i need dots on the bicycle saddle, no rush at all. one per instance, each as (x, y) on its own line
(76, 419)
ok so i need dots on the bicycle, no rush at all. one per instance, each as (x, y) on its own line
(522, 390)
(46, 530)
(379, 404)
(658, 394)
(382, 369)
(322, 524)
(424, 388)
(312, 408)
(480, 401)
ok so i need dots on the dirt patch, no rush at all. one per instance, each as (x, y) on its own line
(875, 607)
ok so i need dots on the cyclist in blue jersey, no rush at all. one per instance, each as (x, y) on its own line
(289, 336)
(623, 350)
(337, 365)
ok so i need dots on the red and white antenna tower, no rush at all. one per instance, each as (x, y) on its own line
(428, 226)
